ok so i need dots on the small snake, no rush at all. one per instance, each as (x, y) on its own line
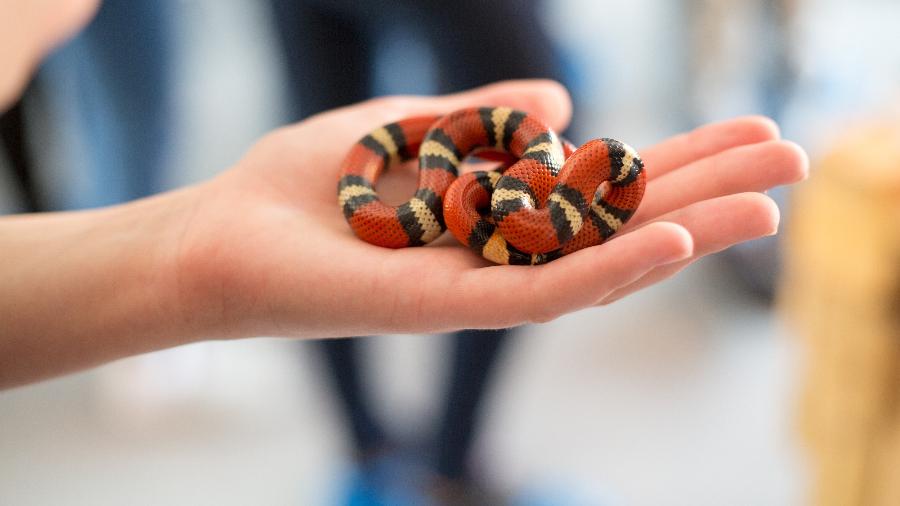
(547, 200)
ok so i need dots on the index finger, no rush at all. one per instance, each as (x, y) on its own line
(546, 99)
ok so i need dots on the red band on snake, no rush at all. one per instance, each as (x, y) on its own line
(553, 200)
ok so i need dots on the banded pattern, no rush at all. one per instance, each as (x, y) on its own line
(553, 200)
(413, 223)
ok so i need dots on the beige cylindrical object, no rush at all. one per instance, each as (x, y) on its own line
(841, 291)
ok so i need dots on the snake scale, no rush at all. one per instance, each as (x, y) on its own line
(547, 200)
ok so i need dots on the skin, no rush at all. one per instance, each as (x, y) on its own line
(263, 248)
(28, 30)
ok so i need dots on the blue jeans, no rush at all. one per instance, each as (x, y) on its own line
(109, 87)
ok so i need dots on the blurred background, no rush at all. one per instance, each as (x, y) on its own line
(765, 375)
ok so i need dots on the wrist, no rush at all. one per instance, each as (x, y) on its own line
(166, 250)
(202, 289)
(136, 252)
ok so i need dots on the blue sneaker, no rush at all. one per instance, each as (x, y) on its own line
(389, 479)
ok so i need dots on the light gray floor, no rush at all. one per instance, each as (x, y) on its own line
(679, 395)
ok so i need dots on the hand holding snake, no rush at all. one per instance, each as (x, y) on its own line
(280, 259)
(586, 193)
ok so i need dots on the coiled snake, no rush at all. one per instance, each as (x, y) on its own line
(548, 199)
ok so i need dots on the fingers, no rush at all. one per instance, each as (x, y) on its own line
(754, 168)
(714, 225)
(544, 98)
(705, 141)
(504, 296)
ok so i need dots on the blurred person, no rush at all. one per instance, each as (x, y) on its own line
(111, 83)
(213, 260)
(330, 53)
(109, 87)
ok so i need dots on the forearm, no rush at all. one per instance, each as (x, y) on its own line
(82, 288)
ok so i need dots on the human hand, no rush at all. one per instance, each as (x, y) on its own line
(267, 251)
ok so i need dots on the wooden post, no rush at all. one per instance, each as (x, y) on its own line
(841, 290)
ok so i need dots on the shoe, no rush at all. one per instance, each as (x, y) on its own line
(388, 479)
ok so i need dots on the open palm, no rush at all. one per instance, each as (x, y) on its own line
(268, 252)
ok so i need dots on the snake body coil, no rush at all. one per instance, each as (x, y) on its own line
(553, 200)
